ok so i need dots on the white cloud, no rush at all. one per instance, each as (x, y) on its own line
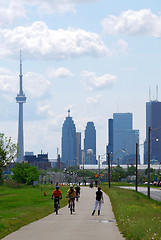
(57, 6)
(122, 46)
(134, 23)
(59, 73)
(10, 11)
(34, 84)
(93, 82)
(38, 41)
(93, 100)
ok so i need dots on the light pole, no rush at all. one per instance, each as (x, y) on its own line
(149, 162)
(136, 167)
(109, 170)
(118, 170)
(99, 168)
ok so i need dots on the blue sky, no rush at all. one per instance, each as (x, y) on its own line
(95, 57)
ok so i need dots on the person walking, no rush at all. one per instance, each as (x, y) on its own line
(99, 201)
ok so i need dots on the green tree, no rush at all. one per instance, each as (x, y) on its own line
(130, 171)
(8, 152)
(24, 173)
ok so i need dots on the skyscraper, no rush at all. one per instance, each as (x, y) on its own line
(153, 120)
(20, 99)
(69, 142)
(90, 144)
(78, 146)
(124, 139)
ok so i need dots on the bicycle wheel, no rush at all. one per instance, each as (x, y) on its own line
(71, 207)
(56, 207)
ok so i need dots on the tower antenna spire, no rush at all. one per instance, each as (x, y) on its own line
(157, 92)
(20, 99)
(21, 91)
(149, 94)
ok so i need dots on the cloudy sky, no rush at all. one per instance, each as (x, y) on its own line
(95, 57)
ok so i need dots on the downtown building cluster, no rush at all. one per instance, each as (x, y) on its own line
(122, 138)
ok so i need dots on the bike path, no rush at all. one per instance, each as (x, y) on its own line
(155, 193)
(81, 225)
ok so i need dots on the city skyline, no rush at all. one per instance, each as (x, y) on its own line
(94, 57)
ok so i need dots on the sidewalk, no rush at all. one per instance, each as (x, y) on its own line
(81, 225)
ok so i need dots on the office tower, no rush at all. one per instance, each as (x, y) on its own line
(69, 142)
(20, 99)
(110, 137)
(78, 148)
(124, 139)
(153, 120)
(90, 144)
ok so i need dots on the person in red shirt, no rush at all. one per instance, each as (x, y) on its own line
(57, 194)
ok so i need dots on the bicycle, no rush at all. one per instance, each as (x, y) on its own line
(71, 204)
(77, 197)
(56, 205)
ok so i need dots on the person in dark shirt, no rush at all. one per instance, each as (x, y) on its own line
(99, 201)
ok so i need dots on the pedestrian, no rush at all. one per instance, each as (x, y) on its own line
(99, 201)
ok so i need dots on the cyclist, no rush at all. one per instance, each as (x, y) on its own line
(77, 189)
(71, 194)
(99, 200)
(57, 194)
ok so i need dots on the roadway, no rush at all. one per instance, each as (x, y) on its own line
(80, 225)
(155, 193)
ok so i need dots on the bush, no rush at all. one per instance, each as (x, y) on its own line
(24, 173)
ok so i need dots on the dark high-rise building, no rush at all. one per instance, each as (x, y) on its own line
(69, 157)
(153, 120)
(90, 144)
(78, 146)
(122, 139)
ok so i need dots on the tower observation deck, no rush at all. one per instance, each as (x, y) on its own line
(21, 99)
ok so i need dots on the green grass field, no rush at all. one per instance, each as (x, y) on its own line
(20, 205)
(138, 217)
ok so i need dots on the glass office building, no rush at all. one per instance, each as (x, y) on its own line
(153, 120)
(124, 139)
(69, 157)
(90, 144)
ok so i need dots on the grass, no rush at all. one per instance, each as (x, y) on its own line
(20, 205)
(138, 217)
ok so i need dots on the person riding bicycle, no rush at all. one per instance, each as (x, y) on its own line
(57, 194)
(77, 189)
(71, 194)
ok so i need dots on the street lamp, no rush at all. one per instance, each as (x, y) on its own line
(137, 167)
(109, 184)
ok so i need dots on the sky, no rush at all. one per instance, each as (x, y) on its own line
(94, 57)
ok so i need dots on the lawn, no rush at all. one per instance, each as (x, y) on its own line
(138, 217)
(20, 205)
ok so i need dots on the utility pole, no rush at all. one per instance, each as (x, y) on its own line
(109, 169)
(136, 167)
(99, 168)
(149, 162)
(118, 170)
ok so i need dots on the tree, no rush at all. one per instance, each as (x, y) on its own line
(24, 173)
(8, 152)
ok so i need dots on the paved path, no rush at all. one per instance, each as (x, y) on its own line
(154, 192)
(81, 225)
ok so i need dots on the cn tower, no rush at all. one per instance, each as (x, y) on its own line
(21, 99)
